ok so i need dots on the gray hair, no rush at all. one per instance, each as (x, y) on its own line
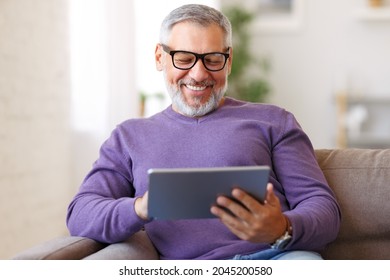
(199, 14)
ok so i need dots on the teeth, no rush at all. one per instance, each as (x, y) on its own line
(196, 88)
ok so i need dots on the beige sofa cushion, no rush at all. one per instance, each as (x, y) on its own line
(361, 182)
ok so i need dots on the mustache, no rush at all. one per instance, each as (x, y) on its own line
(194, 83)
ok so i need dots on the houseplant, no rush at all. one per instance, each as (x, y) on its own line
(248, 78)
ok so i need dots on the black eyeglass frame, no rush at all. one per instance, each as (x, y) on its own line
(197, 56)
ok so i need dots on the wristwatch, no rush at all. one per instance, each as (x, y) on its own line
(282, 242)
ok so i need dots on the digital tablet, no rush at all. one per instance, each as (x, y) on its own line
(188, 193)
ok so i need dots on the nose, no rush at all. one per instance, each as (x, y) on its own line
(198, 72)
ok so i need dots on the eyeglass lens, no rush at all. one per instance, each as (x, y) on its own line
(186, 60)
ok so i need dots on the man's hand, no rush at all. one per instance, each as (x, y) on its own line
(141, 206)
(255, 222)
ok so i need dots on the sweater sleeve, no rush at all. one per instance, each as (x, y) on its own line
(103, 208)
(309, 202)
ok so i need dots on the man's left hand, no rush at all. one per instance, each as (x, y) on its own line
(252, 221)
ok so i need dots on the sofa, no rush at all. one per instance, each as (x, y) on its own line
(360, 179)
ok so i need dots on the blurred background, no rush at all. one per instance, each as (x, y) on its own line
(71, 70)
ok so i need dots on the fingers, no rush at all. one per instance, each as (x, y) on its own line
(233, 216)
(244, 205)
(248, 218)
(228, 208)
(252, 204)
(238, 212)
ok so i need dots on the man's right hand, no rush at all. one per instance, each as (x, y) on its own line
(141, 206)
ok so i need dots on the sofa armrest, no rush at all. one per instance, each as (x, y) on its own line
(62, 248)
(136, 247)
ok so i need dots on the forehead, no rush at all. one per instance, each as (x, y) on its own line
(195, 37)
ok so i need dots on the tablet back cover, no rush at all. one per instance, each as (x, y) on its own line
(188, 193)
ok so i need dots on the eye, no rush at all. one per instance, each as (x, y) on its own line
(214, 59)
(184, 58)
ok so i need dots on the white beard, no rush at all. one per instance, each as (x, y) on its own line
(198, 109)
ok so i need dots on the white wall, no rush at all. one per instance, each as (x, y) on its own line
(61, 93)
(34, 122)
(333, 50)
(103, 92)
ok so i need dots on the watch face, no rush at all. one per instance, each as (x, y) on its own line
(283, 243)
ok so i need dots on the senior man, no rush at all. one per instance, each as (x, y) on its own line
(205, 128)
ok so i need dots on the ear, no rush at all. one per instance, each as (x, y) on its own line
(230, 61)
(159, 57)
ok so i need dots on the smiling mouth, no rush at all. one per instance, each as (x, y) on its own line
(196, 88)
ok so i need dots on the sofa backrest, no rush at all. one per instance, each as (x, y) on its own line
(360, 179)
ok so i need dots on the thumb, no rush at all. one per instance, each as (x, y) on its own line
(141, 206)
(271, 198)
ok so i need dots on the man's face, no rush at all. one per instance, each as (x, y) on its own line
(197, 91)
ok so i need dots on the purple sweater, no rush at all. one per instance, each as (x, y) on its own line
(237, 134)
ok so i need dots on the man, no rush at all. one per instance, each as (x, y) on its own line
(202, 128)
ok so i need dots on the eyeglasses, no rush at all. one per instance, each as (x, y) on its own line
(183, 60)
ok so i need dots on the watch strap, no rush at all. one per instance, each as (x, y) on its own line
(283, 241)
